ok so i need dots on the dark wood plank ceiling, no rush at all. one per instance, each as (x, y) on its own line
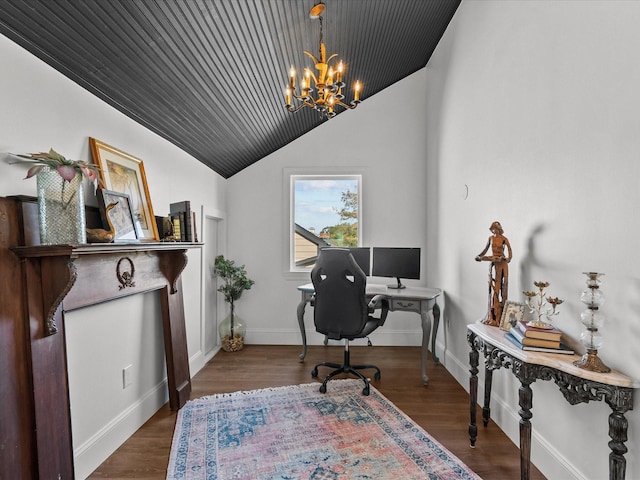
(209, 75)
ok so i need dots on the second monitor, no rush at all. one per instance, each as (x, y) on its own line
(397, 262)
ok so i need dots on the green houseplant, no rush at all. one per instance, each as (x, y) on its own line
(235, 281)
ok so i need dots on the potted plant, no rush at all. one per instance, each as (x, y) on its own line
(60, 194)
(232, 328)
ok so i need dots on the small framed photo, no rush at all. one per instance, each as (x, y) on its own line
(119, 217)
(512, 313)
(124, 173)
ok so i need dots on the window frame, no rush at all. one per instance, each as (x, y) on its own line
(291, 175)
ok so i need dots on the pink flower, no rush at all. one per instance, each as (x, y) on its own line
(67, 172)
(67, 169)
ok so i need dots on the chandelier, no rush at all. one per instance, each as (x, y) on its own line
(326, 94)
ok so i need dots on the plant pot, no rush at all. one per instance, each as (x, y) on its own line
(232, 331)
(61, 212)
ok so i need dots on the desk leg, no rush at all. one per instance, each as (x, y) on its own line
(436, 324)
(473, 389)
(618, 432)
(526, 402)
(426, 333)
(300, 311)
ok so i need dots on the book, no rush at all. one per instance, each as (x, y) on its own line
(562, 349)
(176, 228)
(542, 333)
(182, 210)
(533, 342)
(194, 225)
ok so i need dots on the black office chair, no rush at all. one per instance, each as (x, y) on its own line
(342, 310)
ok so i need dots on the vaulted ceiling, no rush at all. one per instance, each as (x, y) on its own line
(209, 75)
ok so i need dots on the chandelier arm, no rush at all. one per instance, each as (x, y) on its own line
(300, 97)
(350, 106)
(294, 110)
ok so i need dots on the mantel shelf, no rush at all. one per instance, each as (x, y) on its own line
(97, 248)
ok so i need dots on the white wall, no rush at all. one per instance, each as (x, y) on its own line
(534, 107)
(42, 109)
(391, 156)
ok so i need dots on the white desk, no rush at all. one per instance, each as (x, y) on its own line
(411, 299)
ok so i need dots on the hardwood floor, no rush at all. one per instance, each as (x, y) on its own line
(442, 408)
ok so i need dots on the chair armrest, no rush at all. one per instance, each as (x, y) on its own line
(375, 301)
(382, 302)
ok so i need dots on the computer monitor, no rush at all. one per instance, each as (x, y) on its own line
(362, 256)
(398, 262)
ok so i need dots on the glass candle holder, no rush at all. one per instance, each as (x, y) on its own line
(592, 319)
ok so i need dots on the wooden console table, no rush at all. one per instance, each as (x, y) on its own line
(61, 278)
(577, 386)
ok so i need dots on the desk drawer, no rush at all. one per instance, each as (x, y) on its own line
(405, 304)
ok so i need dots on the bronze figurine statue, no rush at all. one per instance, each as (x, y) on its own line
(498, 272)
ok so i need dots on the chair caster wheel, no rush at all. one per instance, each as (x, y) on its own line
(314, 373)
(377, 376)
(365, 391)
(323, 388)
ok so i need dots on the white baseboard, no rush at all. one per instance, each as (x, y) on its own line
(291, 336)
(92, 453)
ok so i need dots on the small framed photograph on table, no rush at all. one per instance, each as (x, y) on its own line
(124, 173)
(115, 210)
(512, 313)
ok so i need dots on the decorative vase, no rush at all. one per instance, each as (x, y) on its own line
(61, 212)
(232, 331)
(592, 319)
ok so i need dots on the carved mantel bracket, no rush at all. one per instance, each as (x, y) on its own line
(64, 286)
(172, 264)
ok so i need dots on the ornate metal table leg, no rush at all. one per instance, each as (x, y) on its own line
(526, 402)
(618, 433)
(473, 388)
(486, 409)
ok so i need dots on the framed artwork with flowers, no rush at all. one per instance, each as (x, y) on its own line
(124, 173)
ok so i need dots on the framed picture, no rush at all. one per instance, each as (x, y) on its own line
(124, 173)
(119, 217)
(512, 313)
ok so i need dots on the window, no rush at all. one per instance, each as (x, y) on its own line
(325, 211)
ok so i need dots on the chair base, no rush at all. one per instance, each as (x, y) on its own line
(347, 368)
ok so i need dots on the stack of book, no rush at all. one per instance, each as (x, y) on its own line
(534, 339)
(184, 221)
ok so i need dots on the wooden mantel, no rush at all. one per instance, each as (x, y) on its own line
(57, 279)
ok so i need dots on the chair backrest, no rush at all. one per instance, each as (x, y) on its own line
(340, 304)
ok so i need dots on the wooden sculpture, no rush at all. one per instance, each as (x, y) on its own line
(498, 272)
(100, 235)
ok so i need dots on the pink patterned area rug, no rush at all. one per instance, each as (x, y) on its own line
(296, 432)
